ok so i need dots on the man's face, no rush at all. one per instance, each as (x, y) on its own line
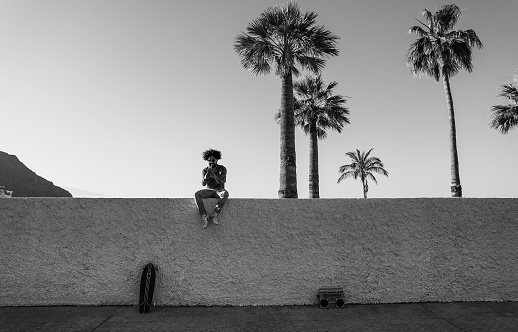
(212, 162)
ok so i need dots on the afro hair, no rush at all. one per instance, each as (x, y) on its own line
(211, 152)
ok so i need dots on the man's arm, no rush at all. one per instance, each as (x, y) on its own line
(204, 177)
(222, 177)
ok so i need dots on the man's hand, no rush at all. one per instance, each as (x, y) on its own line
(210, 173)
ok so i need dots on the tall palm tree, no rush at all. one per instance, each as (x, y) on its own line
(441, 51)
(362, 167)
(283, 37)
(505, 117)
(317, 109)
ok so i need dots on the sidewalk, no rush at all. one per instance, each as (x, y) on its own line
(470, 316)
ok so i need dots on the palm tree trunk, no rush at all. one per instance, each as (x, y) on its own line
(456, 188)
(314, 187)
(365, 187)
(288, 172)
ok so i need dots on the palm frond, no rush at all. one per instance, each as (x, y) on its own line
(379, 170)
(353, 156)
(366, 155)
(509, 91)
(256, 53)
(374, 161)
(323, 42)
(310, 63)
(470, 37)
(345, 168)
(347, 174)
(504, 117)
(446, 17)
(417, 30)
(428, 16)
(370, 176)
(422, 58)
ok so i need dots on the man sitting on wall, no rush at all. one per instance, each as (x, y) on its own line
(214, 177)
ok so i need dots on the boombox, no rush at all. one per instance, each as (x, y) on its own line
(331, 297)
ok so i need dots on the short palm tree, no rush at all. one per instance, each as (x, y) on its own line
(505, 117)
(283, 37)
(362, 167)
(317, 109)
(441, 51)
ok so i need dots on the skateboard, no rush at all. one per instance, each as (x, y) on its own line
(147, 286)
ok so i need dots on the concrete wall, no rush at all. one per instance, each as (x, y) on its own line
(64, 251)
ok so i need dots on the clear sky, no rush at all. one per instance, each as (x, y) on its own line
(121, 97)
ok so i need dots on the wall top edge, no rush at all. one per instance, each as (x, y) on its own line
(265, 199)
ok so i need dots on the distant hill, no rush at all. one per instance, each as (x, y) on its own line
(23, 182)
(84, 193)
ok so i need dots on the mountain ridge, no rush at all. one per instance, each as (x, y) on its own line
(23, 182)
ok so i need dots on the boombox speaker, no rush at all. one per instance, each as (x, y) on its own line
(331, 297)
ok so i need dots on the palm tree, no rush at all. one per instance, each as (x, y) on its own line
(505, 117)
(317, 109)
(285, 38)
(441, 51)
(362, 167)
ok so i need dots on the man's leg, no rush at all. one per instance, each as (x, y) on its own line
(200, 195)
(223, 197)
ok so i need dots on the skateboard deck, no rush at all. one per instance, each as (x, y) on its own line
(147, 287)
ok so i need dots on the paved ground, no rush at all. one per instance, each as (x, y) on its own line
(472, 316)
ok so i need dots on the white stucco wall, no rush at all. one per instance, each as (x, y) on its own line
(64, 251)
